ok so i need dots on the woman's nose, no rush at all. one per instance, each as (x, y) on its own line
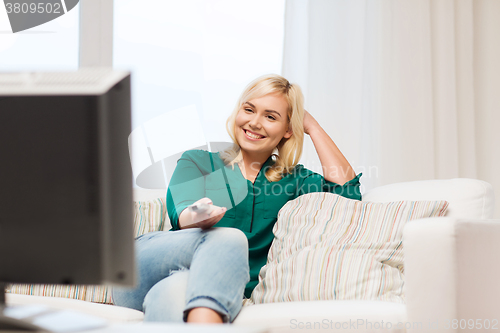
(255, 122)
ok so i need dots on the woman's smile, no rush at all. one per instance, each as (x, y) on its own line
(253, 136)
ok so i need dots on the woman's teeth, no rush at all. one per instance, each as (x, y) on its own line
(253, 136)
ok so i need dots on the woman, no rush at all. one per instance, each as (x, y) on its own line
(201, 272)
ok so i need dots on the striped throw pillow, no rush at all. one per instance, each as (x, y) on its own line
(327, 247)
(148, 216)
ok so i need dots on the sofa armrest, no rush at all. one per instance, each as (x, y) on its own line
(452, 272)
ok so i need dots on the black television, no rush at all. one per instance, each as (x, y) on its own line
(65, 178)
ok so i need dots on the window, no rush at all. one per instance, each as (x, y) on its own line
(50, 46)
(190, 60)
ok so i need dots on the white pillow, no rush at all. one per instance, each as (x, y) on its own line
(327, 247)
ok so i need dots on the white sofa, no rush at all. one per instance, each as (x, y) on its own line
(451, 272)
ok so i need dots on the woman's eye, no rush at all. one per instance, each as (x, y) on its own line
(271, 117)
(249, 110)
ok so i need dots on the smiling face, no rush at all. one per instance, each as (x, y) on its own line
(261, 123)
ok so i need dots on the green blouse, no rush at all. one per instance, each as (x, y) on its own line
(251, 207)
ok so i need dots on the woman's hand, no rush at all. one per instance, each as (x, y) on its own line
(191, 219)
(309, 122)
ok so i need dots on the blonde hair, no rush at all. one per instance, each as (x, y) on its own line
(289, 150)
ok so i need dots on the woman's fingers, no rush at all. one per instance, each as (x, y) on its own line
(215, 216)
(205, 200)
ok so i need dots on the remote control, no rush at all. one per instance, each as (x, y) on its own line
(201, 208)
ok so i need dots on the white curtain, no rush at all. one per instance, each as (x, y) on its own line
(409, 90)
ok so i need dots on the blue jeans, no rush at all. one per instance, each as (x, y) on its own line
(186, 269)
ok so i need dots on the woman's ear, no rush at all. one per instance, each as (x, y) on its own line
(288, 133)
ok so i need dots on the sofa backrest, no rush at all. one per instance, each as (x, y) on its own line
(468, 198)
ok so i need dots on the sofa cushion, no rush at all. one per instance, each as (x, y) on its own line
(150, 216)
(328, 247)
(326, 316)
(115, 314)
(153, 195)
(90, 293)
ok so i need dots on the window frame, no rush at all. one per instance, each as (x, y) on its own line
(96, 33)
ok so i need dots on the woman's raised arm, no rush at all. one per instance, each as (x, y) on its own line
(336, 168)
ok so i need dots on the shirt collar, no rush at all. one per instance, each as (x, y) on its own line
(269, 162)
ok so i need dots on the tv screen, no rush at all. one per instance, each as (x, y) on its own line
(65, 178)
